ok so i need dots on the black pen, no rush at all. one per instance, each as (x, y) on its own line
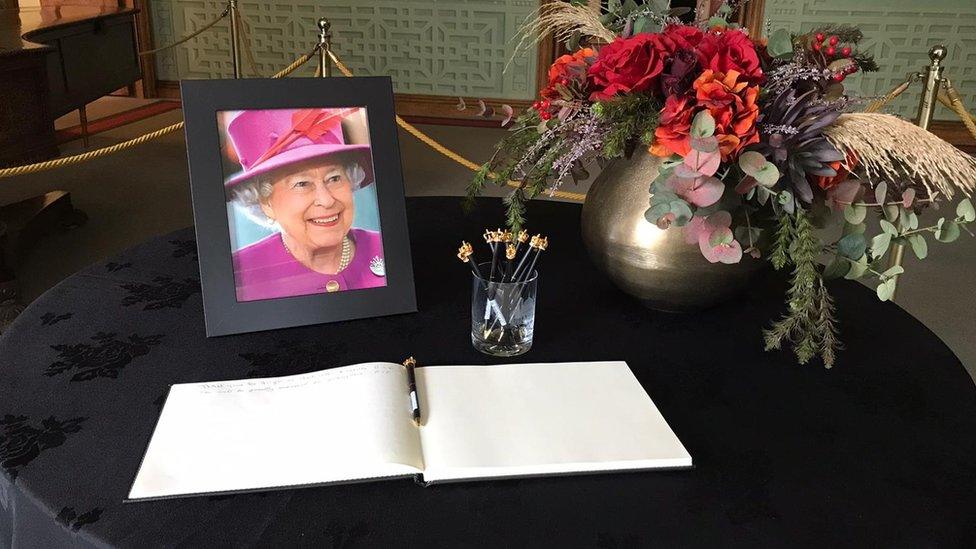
(411, 365)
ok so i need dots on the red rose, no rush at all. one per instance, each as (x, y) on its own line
(627, 65)
(685, 37)
(729, 51)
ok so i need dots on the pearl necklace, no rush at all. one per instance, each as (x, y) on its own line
(344, 259)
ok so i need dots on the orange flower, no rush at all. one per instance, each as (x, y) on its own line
(732, 103)
(843, 169)
(568, 68)
(673, 130)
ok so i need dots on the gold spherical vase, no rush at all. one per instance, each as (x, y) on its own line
(656, 266)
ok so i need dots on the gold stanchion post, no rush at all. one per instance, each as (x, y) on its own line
(325, 46)
(926, 107)
(235, 39)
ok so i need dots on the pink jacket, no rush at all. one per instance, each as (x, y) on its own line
(265, 269)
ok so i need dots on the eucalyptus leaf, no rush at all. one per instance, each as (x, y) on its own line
(703, 125)
(966, 211)
(893, 271)
(720, 237)
(852, 246)
(879, 245)
(682, 212)
(891, 212)
(747, 235)
(919, 245)
(751, 161)
(855, 213)
(785, 199)
(912, 221)
(837, 268)
(768, 175)
(948, 232)
(851, 228)
(886, 290)
(762, 195)
(657, 211)
(780, 43)
(887, 227)
(904, 223)
(881, 192)
(857, 268)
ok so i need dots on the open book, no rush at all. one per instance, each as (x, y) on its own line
(354, 423)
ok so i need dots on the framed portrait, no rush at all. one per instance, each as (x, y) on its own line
(297, 200)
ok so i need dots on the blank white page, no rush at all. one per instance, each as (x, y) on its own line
(341, 424)
(539, 419)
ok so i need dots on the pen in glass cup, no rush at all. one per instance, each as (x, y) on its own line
(465, 253)
(538, 244)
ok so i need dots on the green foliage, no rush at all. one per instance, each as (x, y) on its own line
(852, 246)
(779, 256)
(476, 185)
(780, 43)
(809, 324)
(630, 119)
(966, 211)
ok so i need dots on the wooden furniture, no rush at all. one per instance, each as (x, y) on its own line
(54, 60)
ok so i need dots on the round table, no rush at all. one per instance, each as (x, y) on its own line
(878, 451)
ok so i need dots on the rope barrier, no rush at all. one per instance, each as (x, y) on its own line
(190, 36)
(879, 103)
(83, 157)
(434, 144)
(950, 98)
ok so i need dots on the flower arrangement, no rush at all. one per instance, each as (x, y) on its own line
(746, 128)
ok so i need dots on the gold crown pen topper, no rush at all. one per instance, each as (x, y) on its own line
(465, 251)
(539, 242)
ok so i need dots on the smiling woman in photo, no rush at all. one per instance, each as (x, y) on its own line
(298, 178)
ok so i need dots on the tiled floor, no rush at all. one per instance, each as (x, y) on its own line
(142, 192)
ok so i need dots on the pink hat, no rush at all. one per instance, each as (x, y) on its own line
(269, 139)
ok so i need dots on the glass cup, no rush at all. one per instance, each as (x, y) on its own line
(502, 314)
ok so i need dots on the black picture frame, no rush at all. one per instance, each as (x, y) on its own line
(223, 313)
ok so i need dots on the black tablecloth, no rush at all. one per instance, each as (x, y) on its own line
(879, 451)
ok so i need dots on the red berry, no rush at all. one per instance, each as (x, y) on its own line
(831, 51)
(833, 40)
(816, 46)
(545, 115)
(839, 77)
(846, 51)
(536, 105)
(545, 104)
(820, 37)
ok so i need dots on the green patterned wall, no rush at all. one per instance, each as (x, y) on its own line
(436, 47)
(899, 34)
